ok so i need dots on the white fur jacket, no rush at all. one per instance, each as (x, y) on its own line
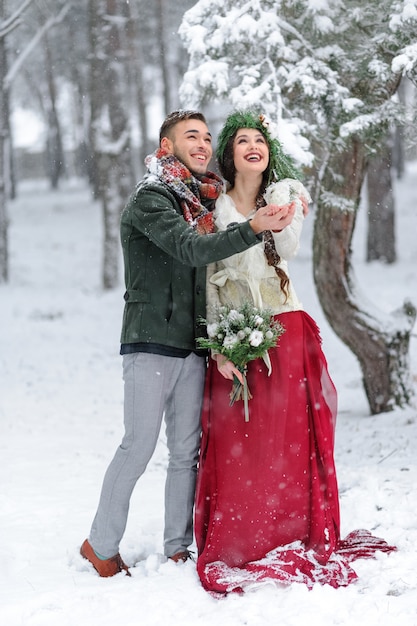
(247, 276)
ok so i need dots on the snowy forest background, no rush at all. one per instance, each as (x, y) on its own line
(338, 78)
(84, 86)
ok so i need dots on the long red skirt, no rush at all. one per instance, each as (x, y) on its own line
(267, 503)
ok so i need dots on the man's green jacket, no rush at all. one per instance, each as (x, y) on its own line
(165, 263)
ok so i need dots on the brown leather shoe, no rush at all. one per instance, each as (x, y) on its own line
(181, 556)
(106, 567)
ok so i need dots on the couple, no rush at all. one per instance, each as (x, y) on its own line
(266, 504)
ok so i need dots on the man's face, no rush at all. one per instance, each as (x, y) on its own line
(191, 144)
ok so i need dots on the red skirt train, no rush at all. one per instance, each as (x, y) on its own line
(267, 504)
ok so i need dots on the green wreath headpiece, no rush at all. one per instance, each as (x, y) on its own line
(281, 165)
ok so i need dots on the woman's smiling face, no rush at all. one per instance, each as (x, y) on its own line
(250, 151)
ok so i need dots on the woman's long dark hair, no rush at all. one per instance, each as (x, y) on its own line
(228, 171)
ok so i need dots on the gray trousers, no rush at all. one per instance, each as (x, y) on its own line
(154, 385)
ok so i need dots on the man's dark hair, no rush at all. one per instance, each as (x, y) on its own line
(174, 118)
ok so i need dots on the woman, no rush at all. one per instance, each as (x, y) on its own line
(267, 499)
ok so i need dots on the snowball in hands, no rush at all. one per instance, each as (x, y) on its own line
(285, 191)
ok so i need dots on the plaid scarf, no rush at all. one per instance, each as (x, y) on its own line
(189, 189)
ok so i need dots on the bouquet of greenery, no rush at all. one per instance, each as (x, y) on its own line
(241, 334)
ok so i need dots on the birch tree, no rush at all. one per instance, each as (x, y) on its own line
(137, 65)
(4, 257)
(328, 73)
(8, 22)
(110, 132)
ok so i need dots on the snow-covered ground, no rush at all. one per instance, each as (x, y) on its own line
(61, 420)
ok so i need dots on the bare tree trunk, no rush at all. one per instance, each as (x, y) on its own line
(110, 128)
(380, 343)
(398, 153)
(4, 125)
(137, 61)
(54, 149)
(161, 40)
(7, 25)
(11, 166)
(381, 205)
(82, 161)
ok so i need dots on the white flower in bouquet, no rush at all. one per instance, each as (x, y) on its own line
(212, 329)
(242, 335)
(230, 340)
(256, 338)
(235, 316)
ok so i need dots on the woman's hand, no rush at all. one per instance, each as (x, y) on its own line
(227, 369)
(304, 203)
(285, 214)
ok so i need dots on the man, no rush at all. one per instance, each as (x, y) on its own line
(167, 239)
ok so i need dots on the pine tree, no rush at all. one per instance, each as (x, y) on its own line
(328, 73)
